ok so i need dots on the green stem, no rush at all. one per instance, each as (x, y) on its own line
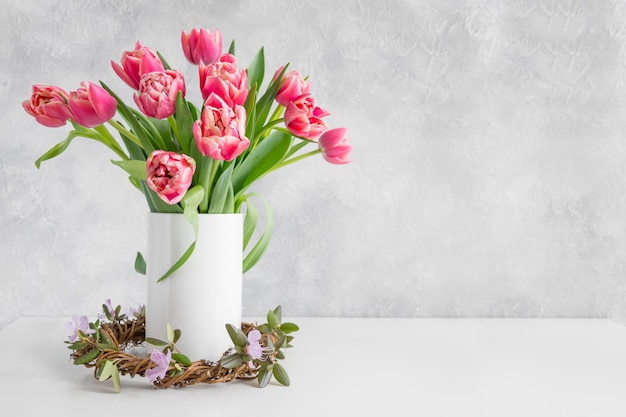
(107, 139)
(174, 127)
(267, 127)
(294, 159)
(207, 175)
(117, 126)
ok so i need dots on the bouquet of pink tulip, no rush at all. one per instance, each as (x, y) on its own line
(193, 160)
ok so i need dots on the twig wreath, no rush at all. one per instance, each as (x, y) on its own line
(108, 346)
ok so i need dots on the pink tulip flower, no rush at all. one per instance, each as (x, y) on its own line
(169, 174)
(157, 93)
(48, 105)
(303, 117)
(293, 86)
(91, 105)
(220, 132)
(136, 63)
(334, 146)
(202, 46)
(224, 79)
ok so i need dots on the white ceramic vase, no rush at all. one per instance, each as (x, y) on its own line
(203, 295)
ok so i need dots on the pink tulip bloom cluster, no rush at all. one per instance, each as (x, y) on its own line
(224, 79)
(157, 93)
(169, 174)
(304, 118)
(219, 131)
(134, 64)
(202, 158)
(89, 106)
(156, 88)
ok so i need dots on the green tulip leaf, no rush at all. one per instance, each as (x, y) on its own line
(57, 149)
(249, 223)
(140, 264)
(256, 70)
(134, 168)
(261, 245)
(131, 118)
(222, 199)
(184, 124)
(260, 160)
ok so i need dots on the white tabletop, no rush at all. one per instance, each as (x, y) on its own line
(353, 367)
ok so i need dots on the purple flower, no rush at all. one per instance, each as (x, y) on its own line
(162, 361)
(254, 348)
(78, 323)
(109, 307)
(136, 312)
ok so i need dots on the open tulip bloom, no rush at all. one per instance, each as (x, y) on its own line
(188, 159)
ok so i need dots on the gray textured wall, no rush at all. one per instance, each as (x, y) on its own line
(489, 152)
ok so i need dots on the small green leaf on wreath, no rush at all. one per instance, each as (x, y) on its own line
(106, 371)
(264, 377)
(177, 334)
(156, 342)
(106, 346)
(289, 327)
(179, 357)
(78, 345)
(87, 357)
(236, 335)
(116, 380)
(107, 313)
(272, 320)
(265, 329)
(170, 333)
(109, 370)
(278, 312)
(232, 361)
(280, 374)
(280, 341)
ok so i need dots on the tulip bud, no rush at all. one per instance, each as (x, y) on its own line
(157, 93)
(48, 105)
(220, 132)
(334, 146)
(169, 174)
(91, 105)
(292, 86)
(303, 117)
(202, 46)
(136, 63)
